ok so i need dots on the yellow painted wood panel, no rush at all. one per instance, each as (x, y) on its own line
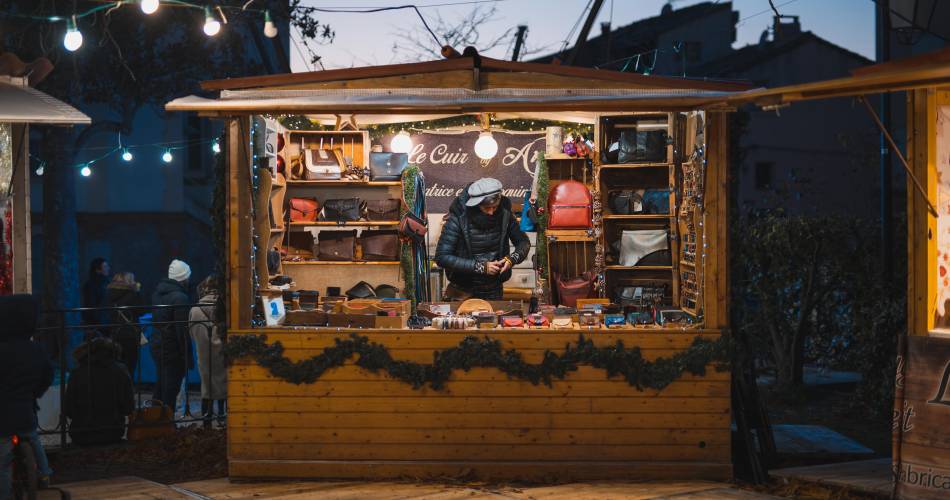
(502, 389)
(308, 451)
(442, 404)
(451, 420)
(448, 435)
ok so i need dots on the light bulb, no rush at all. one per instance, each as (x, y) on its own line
(85, 171)
(149, 6)
(401, 142)
(40, 169)
(126, 154)
(167, 156)
(216, 146)
(485, 147)
(73, 39)
(270, 31)
(212, 26)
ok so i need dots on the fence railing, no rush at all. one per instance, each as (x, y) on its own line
(62, 331)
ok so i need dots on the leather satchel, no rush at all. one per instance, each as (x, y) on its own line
(570, 290)
(152, 420)
(341, 210)
(380, 245)
(300, 244)
(337, 245)
(323, 164)
(642, 146)
(571, 206)
(382, 209)
(304, 209)
(413, 227)
(361, 290)
(387, 166)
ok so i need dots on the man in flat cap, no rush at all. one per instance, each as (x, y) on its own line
(474, 245)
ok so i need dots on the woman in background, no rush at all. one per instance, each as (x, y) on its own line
(124, 291)
(206, 335)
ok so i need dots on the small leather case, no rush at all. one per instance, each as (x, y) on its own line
(614, 320)
(512, 321)
(538, 320)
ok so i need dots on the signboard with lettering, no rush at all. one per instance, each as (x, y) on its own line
(922, 420)
(448, 160)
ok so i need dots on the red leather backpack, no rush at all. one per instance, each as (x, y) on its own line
(570, 206)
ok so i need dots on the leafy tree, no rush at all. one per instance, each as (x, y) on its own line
(128, 62)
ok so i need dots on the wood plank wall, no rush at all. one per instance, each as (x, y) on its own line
(353, 423)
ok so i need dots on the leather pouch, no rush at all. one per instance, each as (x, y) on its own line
(386, 210)
(562, 322)
(337, 245)
(512, 321)
(387, 166)
(341, 210)
(589, 319)
(380, 245)
(537, 320)
(304, 209)
(614, 320)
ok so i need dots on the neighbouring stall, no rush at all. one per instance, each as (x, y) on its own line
(607, 358)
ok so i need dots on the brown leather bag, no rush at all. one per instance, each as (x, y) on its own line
(380, 245)
(382, 209)
(570, 290)
(304, 209)
(337, 245)
(152, 420)
(300, 244)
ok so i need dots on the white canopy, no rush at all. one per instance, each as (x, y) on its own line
(24, 104)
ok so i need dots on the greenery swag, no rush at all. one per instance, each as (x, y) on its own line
(474, 352)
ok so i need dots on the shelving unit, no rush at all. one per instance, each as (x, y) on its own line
(357, 223)
(342, 263)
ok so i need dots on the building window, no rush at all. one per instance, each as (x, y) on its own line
(693, 51)
(763, 175)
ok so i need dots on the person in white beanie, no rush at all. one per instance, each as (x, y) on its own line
(170, 344)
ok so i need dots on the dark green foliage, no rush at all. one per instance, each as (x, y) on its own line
(472, 352)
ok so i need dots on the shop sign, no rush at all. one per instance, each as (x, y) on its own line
(448, 160)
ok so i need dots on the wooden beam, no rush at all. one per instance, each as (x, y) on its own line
(582, 36)
(239, 225)
(22, 226)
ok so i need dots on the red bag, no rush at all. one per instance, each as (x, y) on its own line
(569, 291)
(570, 206)
(304, 209)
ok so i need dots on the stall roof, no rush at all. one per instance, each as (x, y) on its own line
(20, 103)
(459, 85)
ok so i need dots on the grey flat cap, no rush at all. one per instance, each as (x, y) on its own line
(481, 189)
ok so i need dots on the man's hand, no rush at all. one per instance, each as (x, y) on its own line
(505, 265)
(494, 267)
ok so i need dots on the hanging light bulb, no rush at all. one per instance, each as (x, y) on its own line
(270, 30)
(73, 39)
(149, 6)
(40, 169)
(212, 26)
(85, 171)
(126, 154)
(401, 143)
(486, 147)
(216, 146)
(167, 156)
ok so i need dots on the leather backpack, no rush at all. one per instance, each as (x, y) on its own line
(570, 206)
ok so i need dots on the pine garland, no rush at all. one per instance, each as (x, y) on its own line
(406, 254)
(542, 240)
(472, 352)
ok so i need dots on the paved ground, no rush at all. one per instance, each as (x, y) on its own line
(868, 476)
(133, 487)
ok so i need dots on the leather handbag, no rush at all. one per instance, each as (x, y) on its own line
(413, 227)
(570, 290)
(337, 245)
(527, 222)
(323, 164)
(636, 244)
(387, 292)
(626, 202)
(273, 261)
(380, 245)
(361, 290)
(656, 201)
(304, 209)
(571, 206)
(382, 209)
(387, 166)
(300, 244)
(638, 145)
(152, 420)
(341, 210)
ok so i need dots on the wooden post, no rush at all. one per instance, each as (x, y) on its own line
(241, 291)
(22, 230)
(716, 269)
(921, 225)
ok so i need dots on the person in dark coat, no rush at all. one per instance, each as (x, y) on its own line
(94, 294)
(25, 374)
(170, 344)
(99, 395)
(474, 245)
(124, 291)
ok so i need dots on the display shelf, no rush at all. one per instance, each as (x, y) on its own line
(342, 263)
(568, 235)
(635, 217)
(342, 183)
(562, 156)
(635, 165)
(358, 223)
(639, 268)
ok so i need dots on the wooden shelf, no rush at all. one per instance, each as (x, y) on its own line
(275, 230)
(568, 234)
(639, 268)
(344, 183)
(637, 217)
(357, 223)
(636, 165)
(341, 263)
(562, 156)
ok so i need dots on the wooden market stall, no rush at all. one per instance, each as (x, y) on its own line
(633, 402)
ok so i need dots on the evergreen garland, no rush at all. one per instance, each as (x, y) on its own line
(472, 352)
(406, 254)
(542, 240)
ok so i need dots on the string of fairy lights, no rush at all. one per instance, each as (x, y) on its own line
(125, 153)
(213, 17)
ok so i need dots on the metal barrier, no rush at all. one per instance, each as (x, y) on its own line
(61, 332)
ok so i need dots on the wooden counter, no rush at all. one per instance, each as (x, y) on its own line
(352, 423)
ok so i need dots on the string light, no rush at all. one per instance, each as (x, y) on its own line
(73, 39)
(85, 171)
(216, 146)
(126, 154)
(486, 147)
(149, 6)
(167, 156)
(401, 143)
(270, 31)
(212, 26)
(40, 169)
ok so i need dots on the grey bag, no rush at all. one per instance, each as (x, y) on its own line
(636, 244)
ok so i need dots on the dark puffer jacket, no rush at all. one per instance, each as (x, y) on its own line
(99, 395)
(464, 248)
(25, 370)
(170, 343)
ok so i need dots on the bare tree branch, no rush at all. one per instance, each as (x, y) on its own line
(417, 45)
